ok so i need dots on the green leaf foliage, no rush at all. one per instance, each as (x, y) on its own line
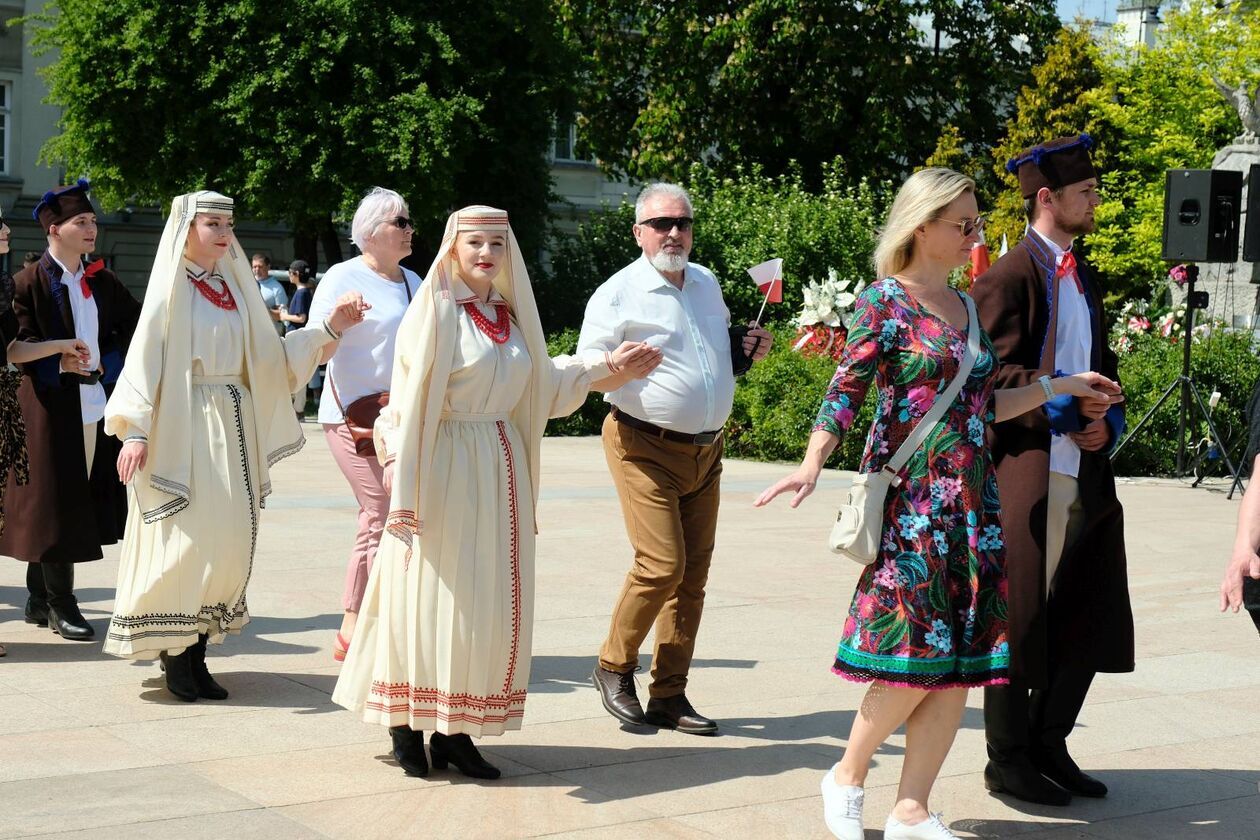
(768, 82)
(296, 110)
(1224, 362)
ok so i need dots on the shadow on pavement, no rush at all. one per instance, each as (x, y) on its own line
(562, 674)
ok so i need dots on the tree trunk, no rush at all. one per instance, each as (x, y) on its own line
(331, 241)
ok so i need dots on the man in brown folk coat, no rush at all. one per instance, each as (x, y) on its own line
(74, 503)
(1068, 597)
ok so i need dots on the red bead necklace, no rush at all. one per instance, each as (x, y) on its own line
(221, 298)
(501, 329)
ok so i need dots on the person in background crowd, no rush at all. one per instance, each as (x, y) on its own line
(302, 276)
(273, 293)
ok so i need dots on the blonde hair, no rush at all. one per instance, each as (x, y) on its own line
(919, 201)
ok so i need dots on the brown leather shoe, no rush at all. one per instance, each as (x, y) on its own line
(677, 713)
(616, 692)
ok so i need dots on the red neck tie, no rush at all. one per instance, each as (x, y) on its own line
(1067, 268)
(90, 270)
(83, 283)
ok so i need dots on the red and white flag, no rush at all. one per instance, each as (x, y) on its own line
(979, 259)
(769, 278)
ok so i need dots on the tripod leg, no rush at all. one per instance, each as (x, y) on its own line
(1145, 417)
(1229, 462)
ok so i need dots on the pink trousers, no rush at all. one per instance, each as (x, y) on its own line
(366, 480)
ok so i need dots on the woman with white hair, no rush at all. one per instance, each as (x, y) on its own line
(203, 408)
(360, 371)
(928, 619)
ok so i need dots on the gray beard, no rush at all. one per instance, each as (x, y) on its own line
(664, 261)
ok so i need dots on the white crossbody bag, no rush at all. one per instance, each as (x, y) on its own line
(860, 521)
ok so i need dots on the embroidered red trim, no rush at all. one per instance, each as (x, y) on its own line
(515, 552)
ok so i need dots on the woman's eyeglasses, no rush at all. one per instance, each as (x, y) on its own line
(664, 224)
(967, 226)
(400, 222)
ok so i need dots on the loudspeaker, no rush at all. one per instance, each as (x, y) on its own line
(1201, 213)
(1251, 239)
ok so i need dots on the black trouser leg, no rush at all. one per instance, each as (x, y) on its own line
(1053, 710)
(59, 584)
(35, 584)
(1006, 715)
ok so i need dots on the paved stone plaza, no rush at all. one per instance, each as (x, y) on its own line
(94, 747)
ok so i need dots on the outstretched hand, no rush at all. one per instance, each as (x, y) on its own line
(348, 311)
(75, 355)
(801, 482)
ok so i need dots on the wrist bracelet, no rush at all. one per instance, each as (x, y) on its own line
(336, 336)
(1047, 387)
(608, 361)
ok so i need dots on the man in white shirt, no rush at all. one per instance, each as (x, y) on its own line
(1068, 607)
(74, 503)
(273, 293)
(663, 442)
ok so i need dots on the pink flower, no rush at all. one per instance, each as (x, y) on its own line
(921, 397)
(844, 417)
(1139, 323)
(1178, 275)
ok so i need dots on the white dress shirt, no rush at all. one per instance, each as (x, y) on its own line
(87, 326)
(692, 389)
(1073, 346)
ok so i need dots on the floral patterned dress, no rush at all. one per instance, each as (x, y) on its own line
(930, 611)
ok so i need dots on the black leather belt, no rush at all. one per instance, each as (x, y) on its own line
(702, 439)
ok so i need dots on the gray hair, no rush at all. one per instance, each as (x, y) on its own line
(377, 207)
(663, 189)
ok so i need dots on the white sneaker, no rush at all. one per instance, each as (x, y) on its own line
(930, 829)
(842, 807)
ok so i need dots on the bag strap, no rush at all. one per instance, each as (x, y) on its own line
(943, 400)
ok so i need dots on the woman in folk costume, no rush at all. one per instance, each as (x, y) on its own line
(204, 411)
(444, 632)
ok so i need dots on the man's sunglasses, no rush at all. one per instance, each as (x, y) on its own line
(400, 222)
(664, 224)
(968, 226)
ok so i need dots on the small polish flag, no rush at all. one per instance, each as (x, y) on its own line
(979, 259)
(769, 278)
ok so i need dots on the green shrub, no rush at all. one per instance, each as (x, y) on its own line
(776, 403)
(588, 419)
(1224, 362)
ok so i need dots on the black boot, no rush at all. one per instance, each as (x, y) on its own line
(179, 675)
(64, 616)
(459, 750)
(37, 602)
(409, 750)
(206, 686)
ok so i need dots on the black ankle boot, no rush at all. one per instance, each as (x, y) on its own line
(409, 750)
(459, 750)
(206, 686)
(179, 675)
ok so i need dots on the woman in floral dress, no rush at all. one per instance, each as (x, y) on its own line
(928, 619)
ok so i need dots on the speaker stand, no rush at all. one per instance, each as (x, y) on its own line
(1189, 394)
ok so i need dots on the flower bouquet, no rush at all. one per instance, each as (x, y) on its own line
(822, 327)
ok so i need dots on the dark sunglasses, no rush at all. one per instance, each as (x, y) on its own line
(967, 226)
(664, 224)
(400, 222)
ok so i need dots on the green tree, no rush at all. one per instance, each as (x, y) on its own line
(296, 110)
(768, 82)
(1057, 103)
(1164, 112)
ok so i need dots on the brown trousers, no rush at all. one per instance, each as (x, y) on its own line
(669, 497)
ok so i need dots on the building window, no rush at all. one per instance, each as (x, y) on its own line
(565, 148)
(6, 124)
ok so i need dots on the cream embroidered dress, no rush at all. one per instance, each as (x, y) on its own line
(443, 638)
(185, 564)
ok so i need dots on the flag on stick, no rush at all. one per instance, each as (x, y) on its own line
(979, 259)
(769, 279)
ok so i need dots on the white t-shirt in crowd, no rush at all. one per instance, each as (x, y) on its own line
(364, 359)
(274, 295)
